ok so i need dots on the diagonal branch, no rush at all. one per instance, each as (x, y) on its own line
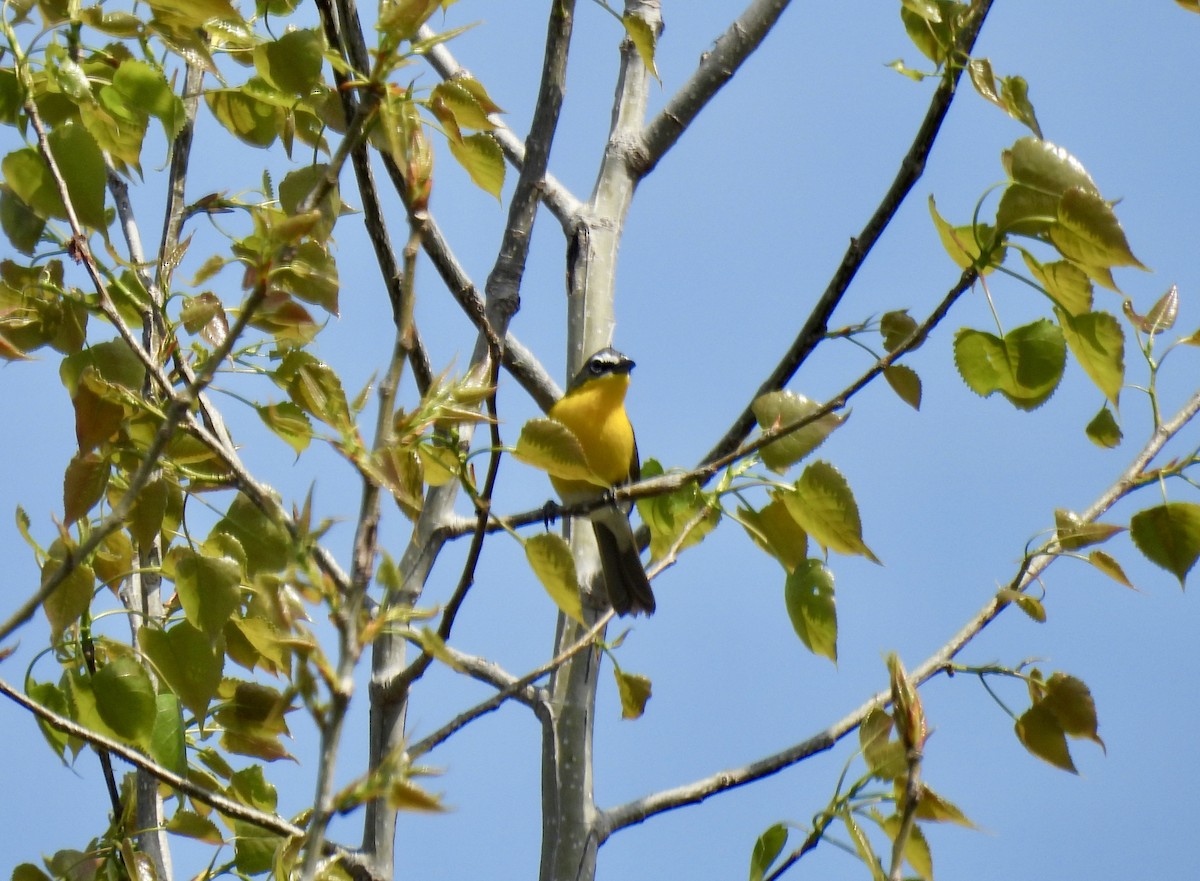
(912, 166)
(1031, 570)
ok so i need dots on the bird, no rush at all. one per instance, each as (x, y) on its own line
(594, 410)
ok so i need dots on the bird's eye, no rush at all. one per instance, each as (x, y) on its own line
(595, 368)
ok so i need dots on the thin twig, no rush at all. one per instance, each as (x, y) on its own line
(512, 690)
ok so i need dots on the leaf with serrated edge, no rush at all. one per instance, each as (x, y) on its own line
(1103, 430)
(906, 383)
(781, 409)
(810, 602)
(549, 445)
(824, 506)
(1169, 536)
(550, 558)
(1110, 567)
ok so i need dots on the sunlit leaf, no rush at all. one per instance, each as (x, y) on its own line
(184, 657)
(549, 445)
(1067, 284)
(293, 62)
(288, 422)
(968, 245)
(780, 409)
(1088, 232)
(811, 606)
(481, 156)
(191, 825)
(1098, 343)
(1025, 366)
(896, 327)
(83, 485)
(823, 505)
(1042, 735)
(644, 39)
(550, 558)
(209, 590)
(1070, 700)
(1110, 567)
(1031, 606)
(1073, 534)
(634, 690)
(1169, 536)
(775, 530)
(73, 595)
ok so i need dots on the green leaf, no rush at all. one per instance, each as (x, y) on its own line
(1041, 173)
(1110, 567)
(1073, 534)
(906, 383)
(1040, 732)
(293, 62)
(823, 505)
(896, 327)
(481, 156)
(1031, 606)
(550, 558)
(1103, 430)
(549, 445)
(250, 120)
(314, 386)
(209, 590)
(1169, 536)
(916, 848)
(1070, 700)
(634, 690)
(83, 485)
(125, 699)
(187, 661)
(933, 807)
(766, 850)
(67, 603)
(669, 514)
(168, 744)
(1067, 284)
(968, 245)
(810, 602)
(147, 89)
(1088, 232)
(1025, 366)
(288, 421)
(862, 844)
(782, 408)
(775, 530)
(195, 12)
(884, 757)
(192, 825)
(1098, 343)
(82, 166)
(644, 39)
(1011, 96)
(20, 223)
(462, 102)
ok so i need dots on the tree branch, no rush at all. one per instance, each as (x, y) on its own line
(912, 166)
(639, 810)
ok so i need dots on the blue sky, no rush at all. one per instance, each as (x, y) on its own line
(728, 243)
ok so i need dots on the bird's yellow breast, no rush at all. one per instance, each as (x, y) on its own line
(595, 413)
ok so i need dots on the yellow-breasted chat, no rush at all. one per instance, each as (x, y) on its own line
(594, 410)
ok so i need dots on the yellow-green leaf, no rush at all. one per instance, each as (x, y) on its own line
(549, 445)
(550, 558)
(644, 39)
(1169, 536)
(1073, 534)
(1098, 343)
(782, 408)
(125, 699)
(766, 850)
(968, 245)
(1067, 284)
(1042, 734)
(1025, 366)
(1110, 567)
(896, 327)
(906, 383)
(634, 690)
(823, 505)
(775, 530)
(481, 156)
(811, 607)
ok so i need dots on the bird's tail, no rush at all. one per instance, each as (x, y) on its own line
(624, 578)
